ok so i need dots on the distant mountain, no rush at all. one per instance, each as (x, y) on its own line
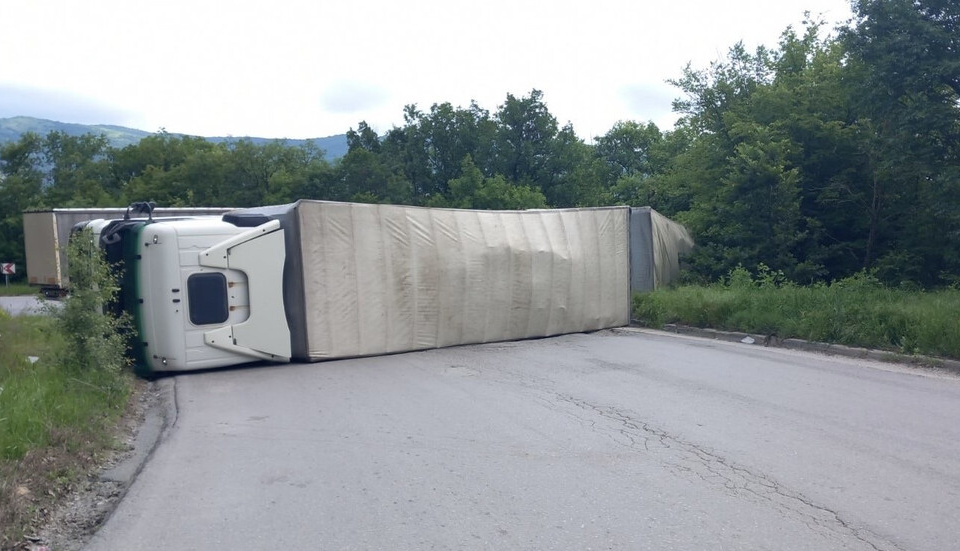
(13, 127)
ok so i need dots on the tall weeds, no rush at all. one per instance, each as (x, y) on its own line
(856, 311)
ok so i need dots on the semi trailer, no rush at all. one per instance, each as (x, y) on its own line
(317, 280)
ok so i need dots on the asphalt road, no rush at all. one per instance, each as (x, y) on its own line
(616, 440)
(22, 305)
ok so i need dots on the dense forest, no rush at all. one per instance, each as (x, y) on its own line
(834, 152)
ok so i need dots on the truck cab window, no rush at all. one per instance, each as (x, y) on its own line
(207, 296)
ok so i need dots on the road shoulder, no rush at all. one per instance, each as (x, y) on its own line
(95, 498)
(885, 356)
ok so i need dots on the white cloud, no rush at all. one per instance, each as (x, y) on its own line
(56, 104)
(352, 97)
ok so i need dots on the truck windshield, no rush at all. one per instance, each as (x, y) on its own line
(207, 296)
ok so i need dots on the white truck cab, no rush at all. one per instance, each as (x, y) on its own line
(191, 286)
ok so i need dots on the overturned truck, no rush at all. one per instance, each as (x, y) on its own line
(317, 280)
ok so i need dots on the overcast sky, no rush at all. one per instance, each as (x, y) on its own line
(302, 69)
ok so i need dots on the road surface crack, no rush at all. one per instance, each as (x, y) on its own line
(690, 459)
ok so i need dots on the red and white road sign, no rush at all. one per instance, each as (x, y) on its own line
(8, 268)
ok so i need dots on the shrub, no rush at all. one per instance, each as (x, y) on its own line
(95, 337)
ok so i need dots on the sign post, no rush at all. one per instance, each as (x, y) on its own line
(7, 269)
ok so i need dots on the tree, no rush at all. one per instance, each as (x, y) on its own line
(723, 88)
(474, 191)
(363, 177)
(524, 140)
(629, 149)
(761, 135)
(21, 187)
(260, 174)
(95, 335)
(430, 147)
(905, 53)
(78, 173)
(754, 215)
(157, 153)
(363, 138)
(170, 170)
(631, 156)
(320, 182)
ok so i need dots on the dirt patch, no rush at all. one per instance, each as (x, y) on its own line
(58, 495)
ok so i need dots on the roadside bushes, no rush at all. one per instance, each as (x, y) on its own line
(95, 337)
(855, 311)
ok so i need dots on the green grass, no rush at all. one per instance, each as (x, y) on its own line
(16, 289)
(855, 312)
(38, 398)
(54, 421)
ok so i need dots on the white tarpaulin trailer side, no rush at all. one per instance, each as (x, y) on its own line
(383, 278)
(361, 279)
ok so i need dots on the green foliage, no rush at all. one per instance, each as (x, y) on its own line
(45, 400)
(95, 338)
(855, 311)
(363, 138)
(430, 148)
(21, 187)
(904, 54)
(526, 130)
(473, 191)
(24, 337)
(61, 375)
(364, 175)
(80, 170)
(828, 155)
(632, 154)
(16, 289)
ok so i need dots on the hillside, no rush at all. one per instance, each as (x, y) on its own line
(12, 128)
